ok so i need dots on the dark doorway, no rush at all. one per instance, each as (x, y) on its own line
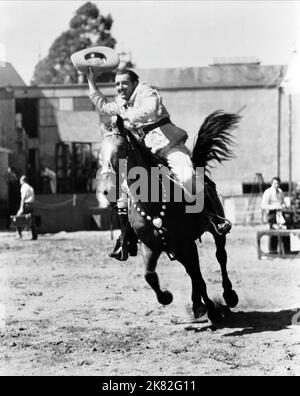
(32, 171)
(73, 167)
(28, 107)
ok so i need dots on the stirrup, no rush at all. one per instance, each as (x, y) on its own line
(222, 228)
(120, 251)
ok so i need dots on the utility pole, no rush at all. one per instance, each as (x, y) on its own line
(280, 89)
(279, 132)
(290, 145)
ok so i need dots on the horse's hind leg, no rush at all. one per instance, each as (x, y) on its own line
(230, 296)
(150, 258)
(188, 256)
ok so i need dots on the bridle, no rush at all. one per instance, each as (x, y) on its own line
(108, 169)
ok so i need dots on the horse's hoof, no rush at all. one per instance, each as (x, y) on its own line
(120, 255)
(231, 298)
(199, 310)
(133, 249)
(215, 315)
(165, 297)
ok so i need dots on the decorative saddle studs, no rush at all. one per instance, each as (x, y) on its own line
(157, 222)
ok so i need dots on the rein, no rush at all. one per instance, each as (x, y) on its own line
(112, 133)
(108, 169)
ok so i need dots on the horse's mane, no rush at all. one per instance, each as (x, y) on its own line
(214, 139)
(141, 150)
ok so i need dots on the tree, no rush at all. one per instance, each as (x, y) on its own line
(88, 28)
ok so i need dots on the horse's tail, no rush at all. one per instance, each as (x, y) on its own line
(214, 138)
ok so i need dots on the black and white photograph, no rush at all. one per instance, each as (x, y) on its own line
(149, 191)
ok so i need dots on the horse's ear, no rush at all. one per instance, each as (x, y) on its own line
(120, 124)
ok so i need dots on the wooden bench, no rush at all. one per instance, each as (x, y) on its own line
(281, 250)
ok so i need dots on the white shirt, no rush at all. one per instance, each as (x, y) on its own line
(27, 193)
(143, 108)
(272, 199)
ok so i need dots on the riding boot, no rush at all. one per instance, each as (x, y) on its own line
(126, 244)
(221, 225)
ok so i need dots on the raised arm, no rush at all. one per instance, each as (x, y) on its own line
(99, 100)
(92, 81)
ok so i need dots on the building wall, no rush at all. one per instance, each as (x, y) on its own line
(295, 132)
(296, 138)
(9, 136)
(7, 121)
(255, 138)
(72, 212)
(3, 181)
(52, 98)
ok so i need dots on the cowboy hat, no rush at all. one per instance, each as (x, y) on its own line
(101, 59)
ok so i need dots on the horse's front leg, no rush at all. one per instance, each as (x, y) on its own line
(150, 259)
(229, 295)
(187, 254)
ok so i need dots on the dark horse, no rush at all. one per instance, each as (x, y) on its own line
(165, 226)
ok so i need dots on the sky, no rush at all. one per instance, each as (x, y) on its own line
(158, 33)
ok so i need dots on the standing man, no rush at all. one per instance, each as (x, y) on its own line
(27, 206)
(46, 172)
(273, 203)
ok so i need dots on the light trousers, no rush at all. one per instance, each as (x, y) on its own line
(180, 163)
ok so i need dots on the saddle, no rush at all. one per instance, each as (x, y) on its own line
(159, 162)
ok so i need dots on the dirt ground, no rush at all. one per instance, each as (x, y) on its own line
(67, 309)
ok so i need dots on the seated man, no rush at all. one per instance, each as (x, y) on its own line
(144, 114)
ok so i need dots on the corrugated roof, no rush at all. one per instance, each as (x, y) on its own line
(78, 126)
(9, 76)
(215, 76)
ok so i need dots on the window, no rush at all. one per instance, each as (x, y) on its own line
(47, 107)
(66, 104)
(83, 104)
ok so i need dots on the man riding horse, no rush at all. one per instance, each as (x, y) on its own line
(145, 116)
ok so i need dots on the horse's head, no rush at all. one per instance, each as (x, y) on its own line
(120, 152)
(113, 145)
(113, 149)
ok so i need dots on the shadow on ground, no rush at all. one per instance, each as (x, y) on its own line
(258, 322)
(254, 322)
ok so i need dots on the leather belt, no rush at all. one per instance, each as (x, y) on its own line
(148, 128)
